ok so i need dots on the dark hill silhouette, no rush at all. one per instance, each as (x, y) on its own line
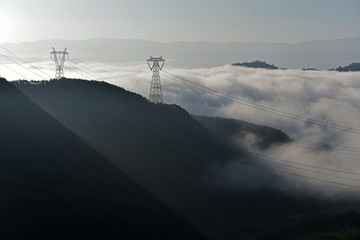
(256, 64)
(309, 69)
(151, 142)
(229, 131)
(54, 186)
(175, 157)
(352, 67)
(334, 225)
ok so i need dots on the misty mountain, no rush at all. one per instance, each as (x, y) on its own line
(184, 163)
(55, 186)
(236, 133)
(352, 67)
(256, 64)
(320, 54)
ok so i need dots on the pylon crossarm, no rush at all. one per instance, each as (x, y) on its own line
(148, 62)
(162, 65)
(59, 59)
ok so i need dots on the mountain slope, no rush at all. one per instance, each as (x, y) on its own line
(236, 133)
(150, 142)
(352, 67)
(54, 186)
(178, 159)
(256, 64)
(343, 225)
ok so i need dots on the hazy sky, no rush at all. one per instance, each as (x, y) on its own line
(175, 20)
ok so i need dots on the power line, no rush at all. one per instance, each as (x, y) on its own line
(5, 65)
(326, 149)
(307, 170)
(25, 61)
(97, 76)
(299, 175)
(93, 74)
(88, 70)
(134, 74)
(286, 164)
(254, 105)
(80, 72)
(21, 65)
(80, 69)
(343, 149)
(103, 77)
(301, 164)
(298, 143)
(261, 107)
(325, 146)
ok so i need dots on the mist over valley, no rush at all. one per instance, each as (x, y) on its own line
(177, 120)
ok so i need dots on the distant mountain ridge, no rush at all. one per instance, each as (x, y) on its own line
(319, 54)
(352, 67)
(256, 64)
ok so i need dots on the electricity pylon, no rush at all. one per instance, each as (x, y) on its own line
(155, 94)
(59, 58)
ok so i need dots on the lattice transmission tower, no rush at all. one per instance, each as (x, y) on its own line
(59, 58)
(157, 64)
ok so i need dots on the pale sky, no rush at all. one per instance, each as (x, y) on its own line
(174, 20)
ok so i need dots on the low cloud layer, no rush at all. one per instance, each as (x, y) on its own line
(330, 97)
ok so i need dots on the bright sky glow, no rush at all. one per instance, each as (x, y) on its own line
(175, 20)
(7, 26)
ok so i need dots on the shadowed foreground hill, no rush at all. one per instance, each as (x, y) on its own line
(234, 132)
(54, 186)
(177, 158)
(336, 226)
(151, 142)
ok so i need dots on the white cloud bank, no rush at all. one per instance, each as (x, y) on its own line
(331, 97)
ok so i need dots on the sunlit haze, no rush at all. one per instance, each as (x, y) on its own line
(180, 119)
(165, 21)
